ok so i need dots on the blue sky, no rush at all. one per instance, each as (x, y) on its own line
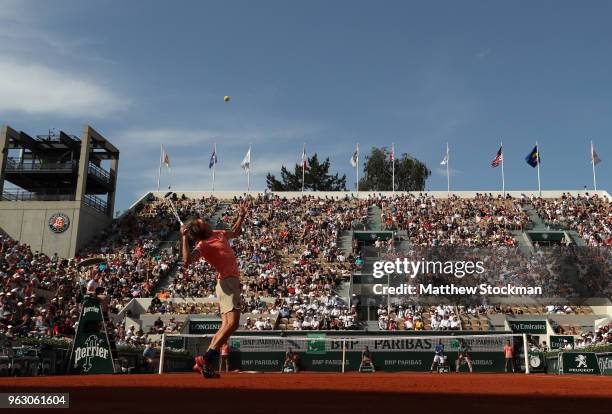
(326, 73)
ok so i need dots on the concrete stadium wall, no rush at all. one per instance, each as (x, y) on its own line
(224, 195)
(90, 223)
(28, 222)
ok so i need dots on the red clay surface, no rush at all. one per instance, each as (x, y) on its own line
(329, 392)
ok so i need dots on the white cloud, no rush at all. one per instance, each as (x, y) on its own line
(34, 78)
(483, 53)
(191, 173)
(230, 137)
(38, 89)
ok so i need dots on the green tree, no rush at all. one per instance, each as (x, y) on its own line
(410, 173)
(316, 178)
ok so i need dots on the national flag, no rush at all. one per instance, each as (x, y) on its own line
(533, 158)
(165, 159)
(595, 158)
(499, 158)
(246, 162)
(392, 156)
(213, 158)
(304, 158)
(355, 157)
(445, 159)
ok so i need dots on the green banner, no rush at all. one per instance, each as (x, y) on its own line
(383, 361)
(372, 235)
(317, 344)
(207, 326)
(605, 363)
(528, 327)
(175, 342)
(561, 341)
(580, 363)
(321, 352)
(91, 352)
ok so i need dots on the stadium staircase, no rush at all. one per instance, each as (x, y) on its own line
(537, 221)
(577, 238)
(217, 216)
(374, 220)
(404, 240)
(523, 242)
(540, 225)
(372, 326)
(345, 241)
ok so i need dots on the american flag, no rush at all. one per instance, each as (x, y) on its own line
(499, 158)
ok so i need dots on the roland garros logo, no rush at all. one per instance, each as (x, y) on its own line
(59, 223)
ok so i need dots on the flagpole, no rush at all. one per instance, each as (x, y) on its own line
(538, 159)
(502, 170)
(393, 168)
(447, 170)
(161, 154)
(214, 165)
(357, 169)
(303, 166)
(249, 171)
(593, 163)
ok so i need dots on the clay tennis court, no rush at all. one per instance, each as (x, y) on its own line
(331, 392)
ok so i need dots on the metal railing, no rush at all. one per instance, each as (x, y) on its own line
(99, 173)
(19, 164)
(21, 195)
(95, 202)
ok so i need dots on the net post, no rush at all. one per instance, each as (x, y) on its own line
(161, 354)
(343, 354)
(526, 353)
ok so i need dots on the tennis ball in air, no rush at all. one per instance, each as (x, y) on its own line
(226, 98)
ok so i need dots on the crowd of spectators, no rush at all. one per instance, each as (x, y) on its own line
(173, 307)
(417, 318)
(484, 220)
(589, 215)
(601, 336)
(38, 294)
(290, 261)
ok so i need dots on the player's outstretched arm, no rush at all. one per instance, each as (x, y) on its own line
(237, 227)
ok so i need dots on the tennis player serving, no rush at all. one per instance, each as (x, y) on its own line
(213, 246)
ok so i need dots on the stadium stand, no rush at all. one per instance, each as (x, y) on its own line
(588, 215)
(297, 256)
